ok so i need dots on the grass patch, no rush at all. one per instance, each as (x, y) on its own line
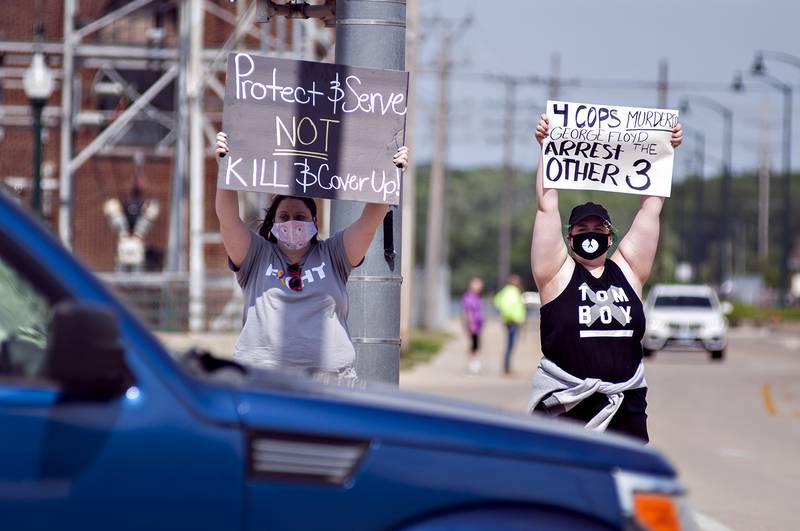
(423, 346)
(756, 314)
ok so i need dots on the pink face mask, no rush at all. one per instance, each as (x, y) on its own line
(294, 234)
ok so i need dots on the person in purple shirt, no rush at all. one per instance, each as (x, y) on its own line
(473, 321)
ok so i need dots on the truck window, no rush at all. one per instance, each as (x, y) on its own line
(683, 301)
(24, 320)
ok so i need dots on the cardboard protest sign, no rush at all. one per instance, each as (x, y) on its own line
(609, 148)
(313, 129)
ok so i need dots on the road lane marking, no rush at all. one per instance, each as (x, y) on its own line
(709, 524)
(766, 392)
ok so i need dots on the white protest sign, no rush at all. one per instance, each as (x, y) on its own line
(609, 148)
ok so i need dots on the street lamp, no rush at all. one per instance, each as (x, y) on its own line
(759, 70)
(782, 57)
(698, 239)
(724, 229)
(38, 84)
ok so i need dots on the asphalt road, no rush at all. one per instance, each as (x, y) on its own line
(732, 428)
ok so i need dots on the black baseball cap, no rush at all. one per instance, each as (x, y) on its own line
(589, 209)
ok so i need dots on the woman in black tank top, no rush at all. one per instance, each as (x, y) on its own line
(592, 319)
(594, 329)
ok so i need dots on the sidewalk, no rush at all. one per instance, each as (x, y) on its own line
(446, 373)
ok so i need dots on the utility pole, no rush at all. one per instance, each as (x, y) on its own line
(763, 190)
(434, 241)
(699, 202)
(194, 80)
(741, 231)
(726, 268)
(67, 86)
(506, 191)
(373, 34)
(663, 84)
(554, 83)
(788, 236)
(436, 226)
(409, 180)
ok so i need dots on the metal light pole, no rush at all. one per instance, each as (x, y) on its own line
(409, 181)
(724, 228)
(38, 84)
(759, 71)
(373, 34)
(506, 191)
(698, 240)
(68, 112)
(196, 154)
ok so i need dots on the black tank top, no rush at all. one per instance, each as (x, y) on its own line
(594, 328)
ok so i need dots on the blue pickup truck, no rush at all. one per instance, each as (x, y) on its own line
(102, 428)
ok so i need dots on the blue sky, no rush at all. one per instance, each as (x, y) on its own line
(704, 42)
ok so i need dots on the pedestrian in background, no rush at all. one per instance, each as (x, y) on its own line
(512, 312)
(473, 322)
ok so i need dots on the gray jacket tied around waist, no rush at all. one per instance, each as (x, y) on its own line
(567, 391)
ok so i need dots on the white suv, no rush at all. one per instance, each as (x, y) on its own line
(685, 317)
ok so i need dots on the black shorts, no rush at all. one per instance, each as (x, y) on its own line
(476, 342)
(630, 419)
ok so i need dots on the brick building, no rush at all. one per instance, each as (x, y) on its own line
(98, 101)
(113, 65)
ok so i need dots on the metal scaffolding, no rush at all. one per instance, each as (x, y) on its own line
(194, 69)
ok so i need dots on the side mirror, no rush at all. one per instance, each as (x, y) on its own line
(726, 307)
(84, 354)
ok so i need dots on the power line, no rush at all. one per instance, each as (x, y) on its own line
(588, 82)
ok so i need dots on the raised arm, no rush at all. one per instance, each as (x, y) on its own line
(637, 250)
(235, 234)
(548, 251)
(358, 236)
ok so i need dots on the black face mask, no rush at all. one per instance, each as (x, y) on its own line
(590, 245)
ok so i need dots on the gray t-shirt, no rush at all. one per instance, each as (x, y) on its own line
(288, 329)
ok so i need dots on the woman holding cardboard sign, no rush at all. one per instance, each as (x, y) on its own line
(294, 284)
(592, 320)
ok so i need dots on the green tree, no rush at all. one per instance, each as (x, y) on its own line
(689, 232)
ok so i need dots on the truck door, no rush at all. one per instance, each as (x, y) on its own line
(140, 460)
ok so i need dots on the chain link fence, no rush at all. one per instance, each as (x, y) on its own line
(162, 300)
